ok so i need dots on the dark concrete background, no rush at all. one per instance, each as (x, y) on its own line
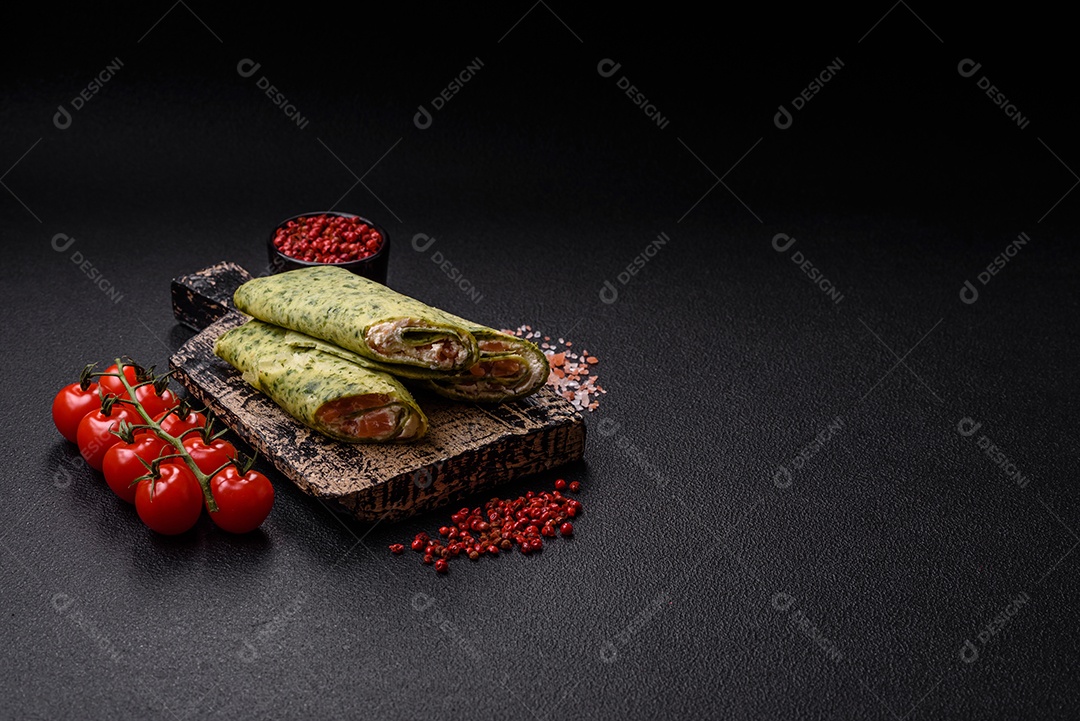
(714, 573)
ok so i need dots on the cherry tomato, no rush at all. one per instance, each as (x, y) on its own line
(121, 464)
(175, 425)
(176, 504)
(94, 437)
(111, 384)
(244, 501)
(155, 404)
(210, 457)
(71, 405)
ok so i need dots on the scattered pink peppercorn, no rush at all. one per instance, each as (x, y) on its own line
(500, 525)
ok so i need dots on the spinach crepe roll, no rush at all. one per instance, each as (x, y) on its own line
(360, 315)
(334, 396)
(509, 367)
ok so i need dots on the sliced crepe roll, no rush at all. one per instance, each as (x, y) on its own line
(509, 368)
(334, 396)
(362, 316)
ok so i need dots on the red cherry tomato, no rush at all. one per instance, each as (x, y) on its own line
(175, 425)
(176, 503)
(209, 457)
(121, 464)
(94, 436)
(244, 501)
(71, 405)
(111, 384)
(155, 404)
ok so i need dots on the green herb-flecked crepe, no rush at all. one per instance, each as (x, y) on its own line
(509, 367)
(336, 397)
(360, 315)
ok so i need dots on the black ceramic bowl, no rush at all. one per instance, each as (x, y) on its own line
(373, 267)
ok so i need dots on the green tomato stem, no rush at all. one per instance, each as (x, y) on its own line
(202, 478)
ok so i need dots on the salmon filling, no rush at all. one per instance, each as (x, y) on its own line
(496, 377)
(369, 417)
(506, 369)
(493, 346)
(503, 369)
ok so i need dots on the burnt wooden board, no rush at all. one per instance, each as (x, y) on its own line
(468, 447)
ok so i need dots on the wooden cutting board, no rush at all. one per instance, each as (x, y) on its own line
(469, 446)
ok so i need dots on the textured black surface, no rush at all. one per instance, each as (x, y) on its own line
(686, 586)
